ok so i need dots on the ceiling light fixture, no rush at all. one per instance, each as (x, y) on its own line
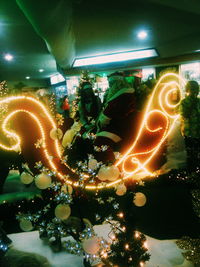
(142, 35)
(41, 70)
(115, 57)
(8, 57)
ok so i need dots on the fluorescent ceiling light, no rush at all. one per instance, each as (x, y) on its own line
(116, 57)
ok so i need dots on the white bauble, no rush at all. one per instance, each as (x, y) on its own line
(91, 246)
(26, 178)
(113, 173)
(121, 190)
(26, 225)
(62, 211)
(103, 173)
(43, 181)
(56, 134)
(139, 199)
(92, 164)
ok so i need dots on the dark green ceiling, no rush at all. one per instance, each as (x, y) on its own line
(82, 28)
(18, 37)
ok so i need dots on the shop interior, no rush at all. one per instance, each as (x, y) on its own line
(99, 133)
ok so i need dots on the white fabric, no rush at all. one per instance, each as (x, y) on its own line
(30, 242)
(164, 253)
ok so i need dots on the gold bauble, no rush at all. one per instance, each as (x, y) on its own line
(62, 211)
(43, 181)
(91, 246)
(121, 190)
(56, 134)
(103, 173)
(26, 225)
(113, 173)
(68, 137)
(26, 178)
(139, 199)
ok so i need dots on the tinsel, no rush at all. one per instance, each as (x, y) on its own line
(196, 201)
(3, 92)
(3, 248)
(4, 242)
(192, 247)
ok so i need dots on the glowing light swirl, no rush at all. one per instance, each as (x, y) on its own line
(166, 98)
(139, 158)
(48, 116)
(13, 135)
(135, 156)
(132, 155)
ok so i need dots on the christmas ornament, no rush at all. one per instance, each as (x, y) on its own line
(139, 199)
(25, 225)
(91, 246)
(68, 137)
(26, 178)
(62, 211)
(56, 134)
(43, 181)
(121, 190)
(113, 173)
(103, 173)
(110, 173)
(67, 189)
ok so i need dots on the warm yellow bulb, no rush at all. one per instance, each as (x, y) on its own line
(127, 246)
(120, 215)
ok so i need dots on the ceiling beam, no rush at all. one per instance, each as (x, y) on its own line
(52, 20)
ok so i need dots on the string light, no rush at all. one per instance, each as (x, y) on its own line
(124, 228)
(113, 237)
(120, 215)
(145, 245)
(104, 255)
(127, 246)
(167, 123)
(136, 234)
